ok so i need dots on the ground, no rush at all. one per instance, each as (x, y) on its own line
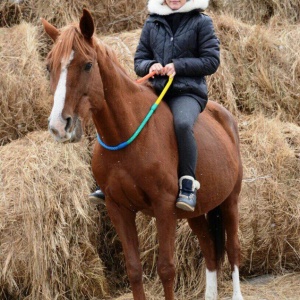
(266, 287)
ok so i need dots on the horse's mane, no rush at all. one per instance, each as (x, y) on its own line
(70, 38)
(110, 53)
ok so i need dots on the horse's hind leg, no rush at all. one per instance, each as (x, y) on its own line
(124, 222)
(200, 227)
(231, 222)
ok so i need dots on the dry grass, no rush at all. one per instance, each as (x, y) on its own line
(124, 44)
(124, 15)
(285, 287)
(46, 225)
(259, 11)
(24, 100)
(260, 69)
(47, 236)
(109, 16)
(270, 206)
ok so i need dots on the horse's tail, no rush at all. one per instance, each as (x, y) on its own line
(217, 229)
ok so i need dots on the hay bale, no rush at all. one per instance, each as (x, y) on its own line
(131, 39)
(124, 44)
(260, 69)
(10, 13)
(259, 11)
(46, 228)
(24, 99)
(122, 51)
(109, 16)
(270, 206)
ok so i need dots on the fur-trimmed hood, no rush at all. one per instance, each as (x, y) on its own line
(157, 7)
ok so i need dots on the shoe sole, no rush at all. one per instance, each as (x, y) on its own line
(184, 206)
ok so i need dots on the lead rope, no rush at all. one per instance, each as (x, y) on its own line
(142, 125)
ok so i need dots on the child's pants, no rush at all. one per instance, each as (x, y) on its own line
(185, 110)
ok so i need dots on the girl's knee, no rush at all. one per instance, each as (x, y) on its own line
(183, 126)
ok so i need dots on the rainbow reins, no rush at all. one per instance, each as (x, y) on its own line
(142, 125)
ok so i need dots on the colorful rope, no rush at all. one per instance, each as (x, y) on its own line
(144, 122)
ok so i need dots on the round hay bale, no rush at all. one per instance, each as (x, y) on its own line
(124, 44)
(24, 99)
(270, 207)
(109, 16)
(46, 227)
(124, 55)
(260, 69)
(131, 39)
(10, 13)
(259, 11)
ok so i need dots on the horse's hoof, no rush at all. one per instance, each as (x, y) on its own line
(237, 297)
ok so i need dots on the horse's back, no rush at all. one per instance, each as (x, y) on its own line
(226, 120)
(217, 123)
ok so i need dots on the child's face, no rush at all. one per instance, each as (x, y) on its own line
(175, 4)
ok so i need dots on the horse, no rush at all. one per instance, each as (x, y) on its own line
(88, 81)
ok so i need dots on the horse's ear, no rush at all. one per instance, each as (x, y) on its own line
(52, 31)
(87, 24)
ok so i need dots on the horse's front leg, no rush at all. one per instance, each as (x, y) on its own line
(166, 227)
(124, 221)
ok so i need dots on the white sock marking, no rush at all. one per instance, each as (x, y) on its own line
(211, 292)
(237, 295)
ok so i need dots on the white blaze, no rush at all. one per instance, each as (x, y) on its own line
(56, 121)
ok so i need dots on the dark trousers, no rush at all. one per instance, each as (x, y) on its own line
(185, 110)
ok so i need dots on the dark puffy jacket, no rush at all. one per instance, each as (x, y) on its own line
(194, 50)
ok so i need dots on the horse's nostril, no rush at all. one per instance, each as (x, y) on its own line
(53, 131)
(68, 124)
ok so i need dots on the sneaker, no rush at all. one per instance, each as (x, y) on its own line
(187, 194)
(97, 197)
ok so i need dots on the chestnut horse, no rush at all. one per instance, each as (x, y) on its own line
(87, 80)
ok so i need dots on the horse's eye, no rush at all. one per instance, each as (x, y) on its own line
(88, 66)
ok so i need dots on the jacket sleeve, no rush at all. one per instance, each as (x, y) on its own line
(209, 53)
(143, 58)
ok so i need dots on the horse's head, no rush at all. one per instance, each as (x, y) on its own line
(74, 77)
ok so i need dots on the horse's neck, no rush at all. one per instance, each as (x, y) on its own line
(119, 116)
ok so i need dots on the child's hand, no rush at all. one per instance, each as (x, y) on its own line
(169, 70)
(157, 68)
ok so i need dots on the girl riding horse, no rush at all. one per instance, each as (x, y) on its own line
(87, 80)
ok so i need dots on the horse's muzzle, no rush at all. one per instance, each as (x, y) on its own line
(65, 130)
